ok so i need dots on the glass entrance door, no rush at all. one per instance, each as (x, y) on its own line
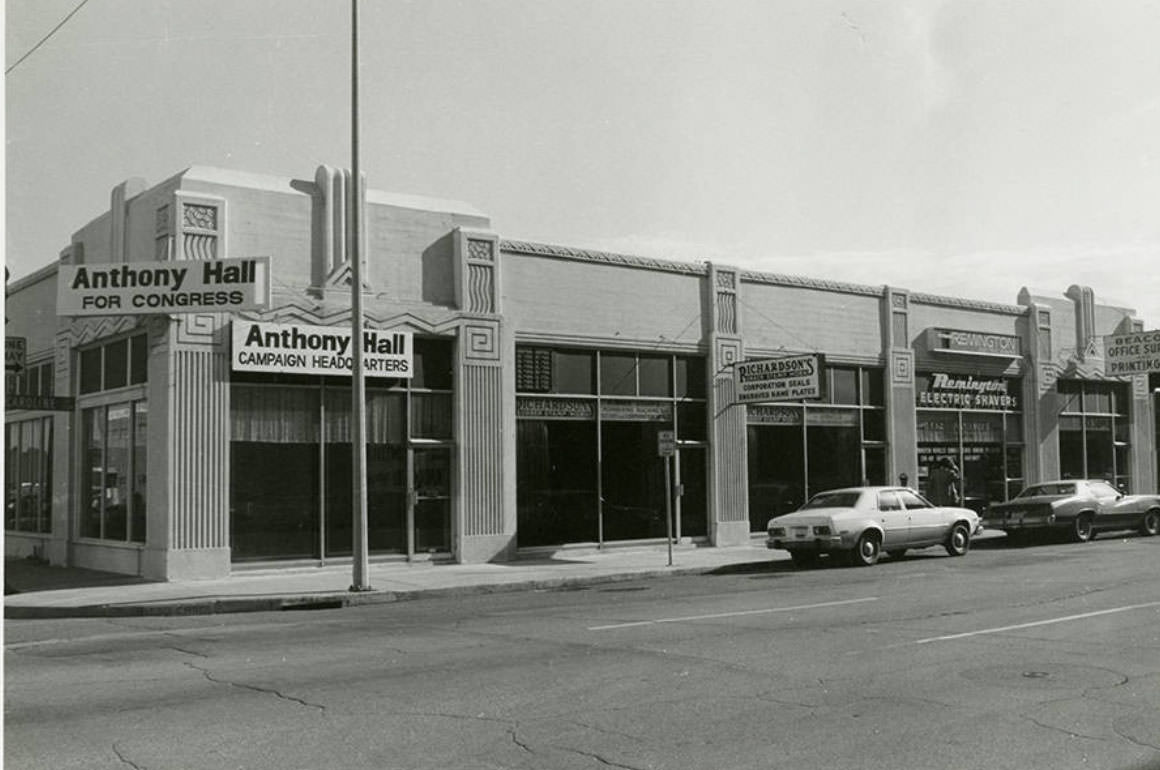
(430, 500)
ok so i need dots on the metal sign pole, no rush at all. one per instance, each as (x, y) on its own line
(360, 580)
(669, 506)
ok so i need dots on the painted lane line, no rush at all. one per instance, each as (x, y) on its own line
(1051, 621)
(740, 613)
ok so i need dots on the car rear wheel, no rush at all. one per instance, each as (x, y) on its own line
(959, 540)
(866, 550)
(1151, 524)
(1081, 530)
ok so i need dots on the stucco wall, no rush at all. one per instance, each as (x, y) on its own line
(590, 300)
(838, 324)
(30, 312)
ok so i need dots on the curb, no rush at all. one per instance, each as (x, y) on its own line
(327, 601)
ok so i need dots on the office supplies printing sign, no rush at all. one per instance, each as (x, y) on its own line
(789, 378)
(1134, 353)
(182, 286)
(295, 349)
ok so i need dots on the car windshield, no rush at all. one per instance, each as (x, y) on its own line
(833, 500)
(1048, 489)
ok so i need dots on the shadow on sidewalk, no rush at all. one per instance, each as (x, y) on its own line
(30, 575)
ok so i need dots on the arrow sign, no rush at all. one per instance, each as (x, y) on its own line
(14, 350)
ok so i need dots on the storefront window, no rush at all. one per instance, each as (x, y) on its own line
(116, 472)
(974, 424)
(1094, 428)
(799, 449)
(291, 490)
(114, 364)
(28, 476)
(617, 374)
(587, 461)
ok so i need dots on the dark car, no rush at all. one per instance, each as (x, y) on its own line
(1078, 507)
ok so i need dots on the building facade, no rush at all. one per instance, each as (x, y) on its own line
(541, 377)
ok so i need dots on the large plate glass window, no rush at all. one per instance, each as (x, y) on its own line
(1094, 430)
(971, 425)
(290, 462)
(114, 423)
(586, 445)
(28, 476)
(797, 449)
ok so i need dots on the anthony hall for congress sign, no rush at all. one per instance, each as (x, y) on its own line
(182, 286)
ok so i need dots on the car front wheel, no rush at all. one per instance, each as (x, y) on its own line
(1151, 524)
(1081, 530)
(866, 550)
(959, 540)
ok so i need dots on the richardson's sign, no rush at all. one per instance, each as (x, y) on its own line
(184, 286)
(974, 343)
(1135, 353)
(789, 378)
(294, 349)
(951, 391)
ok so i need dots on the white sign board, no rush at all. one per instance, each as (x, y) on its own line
(295, 349)
(789, 378)
(180, 286)
(666, 443)
(1135, 353)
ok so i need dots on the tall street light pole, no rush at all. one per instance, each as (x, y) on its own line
(360, 559)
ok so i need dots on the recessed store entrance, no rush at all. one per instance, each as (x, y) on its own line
(291, 490)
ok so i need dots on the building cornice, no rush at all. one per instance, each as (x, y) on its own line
(44, 273)
(967, 304)
(818, 284)
(603, 257)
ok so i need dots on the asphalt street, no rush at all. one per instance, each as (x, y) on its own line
(1044, 656)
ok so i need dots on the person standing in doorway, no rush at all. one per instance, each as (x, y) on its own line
(943, 482)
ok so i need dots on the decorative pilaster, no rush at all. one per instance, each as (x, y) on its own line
(729, 469)
(1143, 432)
(485, 422)
(189, 440)
(1041, 402)
(902, 427)
(119, 217)
(335, 220)
(198, 225)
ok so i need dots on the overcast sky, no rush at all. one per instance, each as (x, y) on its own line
(958, 147)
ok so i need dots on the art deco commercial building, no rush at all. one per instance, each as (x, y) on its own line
(542, 376)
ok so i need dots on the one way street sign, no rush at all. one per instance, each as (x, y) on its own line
(14, 348)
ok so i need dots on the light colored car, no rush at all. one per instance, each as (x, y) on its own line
(1079, 507)
(865, 522)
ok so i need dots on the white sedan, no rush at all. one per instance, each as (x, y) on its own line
(864, 522)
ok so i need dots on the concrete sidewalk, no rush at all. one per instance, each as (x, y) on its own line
(41, 591)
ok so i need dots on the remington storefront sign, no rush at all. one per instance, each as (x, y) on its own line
(974, 343)
(183, 286)
(293, 349)
(954, 391)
